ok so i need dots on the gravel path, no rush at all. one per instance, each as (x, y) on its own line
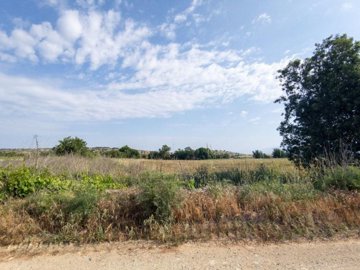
(344, 254)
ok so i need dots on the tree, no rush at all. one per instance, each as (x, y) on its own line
(128, 152)
(278, 153)
(203, 153)
(322, 102)
(259, 154)
(69, 145)
(164, 152)
(184, 154)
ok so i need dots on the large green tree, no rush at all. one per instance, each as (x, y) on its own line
(70, 145)
(322, 102)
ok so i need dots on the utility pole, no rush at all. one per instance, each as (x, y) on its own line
(37, 150)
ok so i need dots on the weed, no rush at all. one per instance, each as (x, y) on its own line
(159, 195)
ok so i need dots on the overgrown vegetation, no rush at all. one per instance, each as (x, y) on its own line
(254, 199)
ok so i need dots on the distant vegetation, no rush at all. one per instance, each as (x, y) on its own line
(123, 152)
(260, 154)
(78, 147)
(71, 146)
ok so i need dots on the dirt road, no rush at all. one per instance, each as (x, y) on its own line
(344, 254)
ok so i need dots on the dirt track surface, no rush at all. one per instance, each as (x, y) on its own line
(343, 254)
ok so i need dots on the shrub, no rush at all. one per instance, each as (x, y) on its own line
(24, 181)
(57, 211)
(159, 195)
(259, 154)
(338, 177)
(278, 153)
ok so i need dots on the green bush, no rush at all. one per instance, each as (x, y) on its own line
(24, 181)
(159, 195)
(344, 178)
(73, 146)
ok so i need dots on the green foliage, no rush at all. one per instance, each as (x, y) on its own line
(184, 154)
(202, 177)
(278, 153)
(288, 192)
(159, 195)
(11, 153)
(123, 152)
(57, 211)
(344, 178)
(73, 146)
(260, 154)
(24, 181)
(164, 152)
(203, 153)
(322, 102)
(100, 182)
(128, 152)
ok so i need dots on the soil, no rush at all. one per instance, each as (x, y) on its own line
(339, 254)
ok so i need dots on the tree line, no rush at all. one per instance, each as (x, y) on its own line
(78, 146)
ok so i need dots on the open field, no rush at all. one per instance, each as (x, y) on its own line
(109, 165)
(72, 199)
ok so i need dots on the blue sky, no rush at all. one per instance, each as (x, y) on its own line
(152, 72)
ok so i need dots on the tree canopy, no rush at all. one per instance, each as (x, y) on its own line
(321, 95)
(70, 145)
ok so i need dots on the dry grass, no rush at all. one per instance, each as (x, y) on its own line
(132, 167)
(203, 215)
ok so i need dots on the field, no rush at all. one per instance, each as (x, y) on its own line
(74, 199)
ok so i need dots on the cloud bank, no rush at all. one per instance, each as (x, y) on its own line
(148, 79)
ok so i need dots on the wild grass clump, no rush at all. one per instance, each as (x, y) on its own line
(65, 207)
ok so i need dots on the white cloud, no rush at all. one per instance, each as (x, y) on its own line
(93, 37)
(182, 16)
(23, 95)
(168, 29)
(223, 74)
(160, 79)
(69, 25)
(263, 18)
(171, 79)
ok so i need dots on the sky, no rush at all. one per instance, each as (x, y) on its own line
(145, 73)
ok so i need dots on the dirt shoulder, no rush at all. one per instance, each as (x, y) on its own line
(340, 254)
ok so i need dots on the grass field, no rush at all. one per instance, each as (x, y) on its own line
(74, 199)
